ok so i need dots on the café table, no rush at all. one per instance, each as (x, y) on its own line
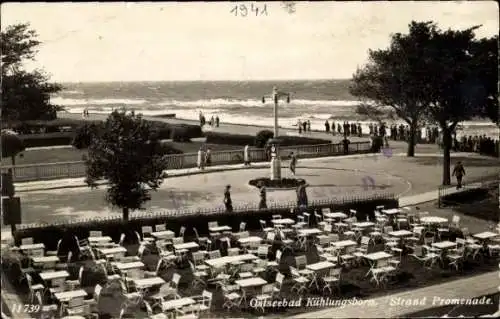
(344, 243)
(144, 284)
(400, 233)
(317, 268)
(65, 296)
(45, 259)
(433, 220)
(173, 304)
(113, 252)
(335, 215)
(164, 234)
(33, 249)
(374, 258)
(283, 221)
(303, 234)
(51, 275)
(250, 240)
(249, 283)
(129, 266)
(363, 224)
(100, 239)
(444, 245)
(218, 229)
(188, 245)
(392, 211)
(485, 235)
(220, 262)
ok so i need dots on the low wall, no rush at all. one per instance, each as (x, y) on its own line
(36, 172)
(114, 226)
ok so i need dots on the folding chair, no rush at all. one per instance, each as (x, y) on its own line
(332, 280)
(300, 282)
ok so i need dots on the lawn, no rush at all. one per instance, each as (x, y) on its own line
(353, 282)
(70, 154)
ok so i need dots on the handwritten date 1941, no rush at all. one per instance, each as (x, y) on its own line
(243, 10)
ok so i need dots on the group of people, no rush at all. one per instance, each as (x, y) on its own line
(214, 121)
(302, 200)
(85, 113)
(346, 128)
(304, 126)
(478, 144)
(204, 157)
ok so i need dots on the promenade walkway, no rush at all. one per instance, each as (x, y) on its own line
(430, 297)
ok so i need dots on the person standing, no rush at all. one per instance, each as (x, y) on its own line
(299, 124)
(217, 121)
(333, 127)
(459, 172)
(227, 199)
(304, 126)
(308, 125)
(327, 127)
(263, 198)
(208, 157)
(201, 159)
(293, 163)
(246, 155)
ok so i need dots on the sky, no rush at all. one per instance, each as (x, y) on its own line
(86, 42)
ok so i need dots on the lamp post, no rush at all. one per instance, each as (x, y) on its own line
(275, 159)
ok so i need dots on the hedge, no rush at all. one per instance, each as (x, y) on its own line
(47, 139)
(114, 227)
(242, 140)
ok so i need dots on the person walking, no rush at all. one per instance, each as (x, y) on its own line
(459, 173)
(293, 163)
(227, 199)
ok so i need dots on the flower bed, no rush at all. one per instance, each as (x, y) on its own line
(280, 183)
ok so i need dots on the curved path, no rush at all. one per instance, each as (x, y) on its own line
(328, 177)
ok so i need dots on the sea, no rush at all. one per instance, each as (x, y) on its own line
(237, 102)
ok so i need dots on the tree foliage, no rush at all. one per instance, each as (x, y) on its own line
(445, 77)
(125, 152)
(262, 137)
(25, 95)
(395, 78)
(12, 145)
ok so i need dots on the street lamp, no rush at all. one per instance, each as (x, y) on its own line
(275, 159)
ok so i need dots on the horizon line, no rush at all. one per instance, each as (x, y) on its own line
(250, 80)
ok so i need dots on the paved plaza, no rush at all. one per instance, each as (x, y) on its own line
(328, 177)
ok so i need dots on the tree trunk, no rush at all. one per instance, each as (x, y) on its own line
(411, 141)
(125, 214)
(13, 160)
(447, 141)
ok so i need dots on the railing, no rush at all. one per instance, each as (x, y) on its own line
(47, 171)
(447, 190)
(248, 207)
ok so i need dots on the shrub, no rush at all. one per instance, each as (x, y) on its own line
(49, 235)
(176, 132)
(83, 135)
(262, 137)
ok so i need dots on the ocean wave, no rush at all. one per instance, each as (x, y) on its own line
(253, 103)
(66, 102)
(71, 92)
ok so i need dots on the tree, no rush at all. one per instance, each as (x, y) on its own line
(25, 95)
(262, 137)
(12, 145)
(394, 78)
(462, 77)
(125, 152)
